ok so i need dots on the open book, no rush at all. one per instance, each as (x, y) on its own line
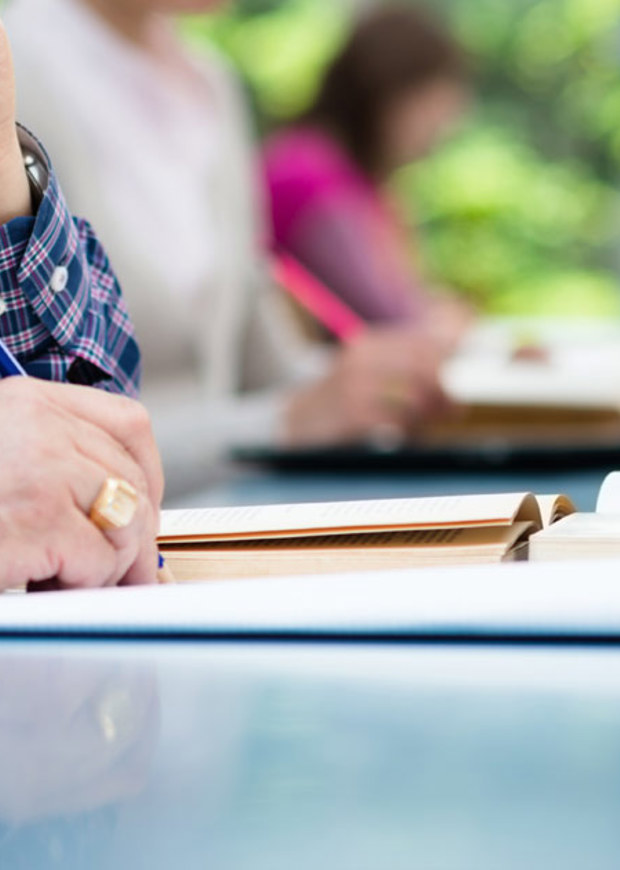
(220, 543)
(584, 536)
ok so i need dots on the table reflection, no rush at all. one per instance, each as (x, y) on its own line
(227, 757)
(76, 741)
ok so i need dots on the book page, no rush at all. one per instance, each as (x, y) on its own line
(554, 508)
(352, 516)
(472, 537)
(579, 536)
(609, 496)
(586, 527)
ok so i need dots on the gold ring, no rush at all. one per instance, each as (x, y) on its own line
(115, 506)
(396, 394)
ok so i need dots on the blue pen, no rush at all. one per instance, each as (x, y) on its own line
(9, 367)
(8, 364)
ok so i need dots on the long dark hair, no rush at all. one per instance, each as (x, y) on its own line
(392, 50)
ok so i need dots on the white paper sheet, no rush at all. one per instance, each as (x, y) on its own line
(549, 598)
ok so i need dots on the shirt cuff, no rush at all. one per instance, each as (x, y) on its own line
(43, 269)
(52, 273)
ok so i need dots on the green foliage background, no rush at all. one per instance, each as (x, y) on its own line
(520, 210)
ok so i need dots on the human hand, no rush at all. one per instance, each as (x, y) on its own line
(385, 382)
(14, 187)
(449, 319)
(58, 445)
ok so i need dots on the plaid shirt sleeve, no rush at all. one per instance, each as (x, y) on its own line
(61, 309)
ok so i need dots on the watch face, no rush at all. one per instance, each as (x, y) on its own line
(34, 167)
(37, 176)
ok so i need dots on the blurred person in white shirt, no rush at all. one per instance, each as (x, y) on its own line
(153, 143)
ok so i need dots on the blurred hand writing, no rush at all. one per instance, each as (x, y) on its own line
(385, 381)
(59, 444)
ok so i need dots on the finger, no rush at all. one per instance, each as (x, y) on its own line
(144, 569)
(123, 419)
(130, 555)
(76, 554)
(137, 547)
(134, 542)
(395, 357)
(104, 457)
(84, 478)
(400, 404)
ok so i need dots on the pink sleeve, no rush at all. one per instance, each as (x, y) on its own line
(326, 216)
(302, 168)
(337, 241)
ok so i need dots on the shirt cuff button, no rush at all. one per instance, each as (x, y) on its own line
(59, 279)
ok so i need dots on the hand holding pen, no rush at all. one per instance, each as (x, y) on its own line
(380, 384)
(81, 488)
(81, 481)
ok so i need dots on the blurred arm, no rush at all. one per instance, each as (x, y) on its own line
(342, 241)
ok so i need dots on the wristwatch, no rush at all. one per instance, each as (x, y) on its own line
(36, 171)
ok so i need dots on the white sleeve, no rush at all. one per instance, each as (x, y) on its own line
(195, 430)
(276, 352)
(194, 433)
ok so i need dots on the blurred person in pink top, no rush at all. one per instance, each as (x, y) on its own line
(389, 98)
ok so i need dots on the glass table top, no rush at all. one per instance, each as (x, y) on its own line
(268, 757)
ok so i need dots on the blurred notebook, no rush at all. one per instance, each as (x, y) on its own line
(562, 390)
(253, 541)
